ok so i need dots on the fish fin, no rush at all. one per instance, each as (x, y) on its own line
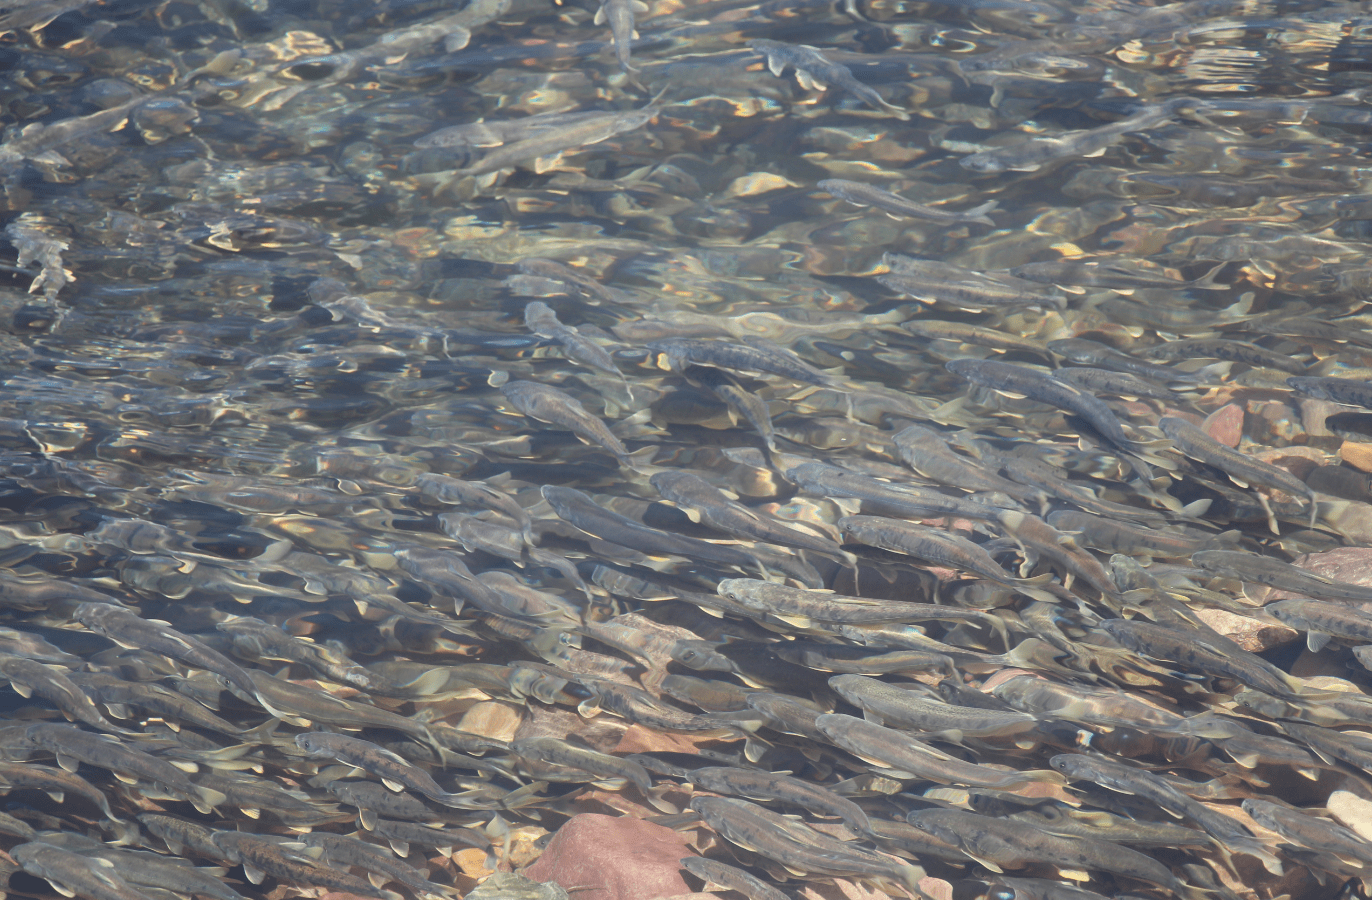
(253, 873)
(22, 690)
(776, 65)
(986, 863)
(1317, 640)
(251, 812)
(62, 889)
(1094, 153)
(1198, 508)
(1074, 874)
(67, 763)
(368, 819)
(57, 796)
(598, 20)
(393, 785)
(401, 848)
(1310, 773)
(546, 163)
(376, 880)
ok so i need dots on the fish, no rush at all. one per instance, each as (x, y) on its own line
(1322, 621)
(1309, 831)
(380, 865)
(545, 148)
(118, 696)
(394, 770)
(74, 872)
(28, 677)
(257, 639)
(1240, 467)
(939, 547)
(1034, 153)
(580, 510)
(56, 783)
(375, 801)
(1122, 273)
(1127, 779)
(619, 14)
(976, 335)
(755, 355)
(706, 503)
(908, 500)
(900, 755)
(1347, 391)
(1113, 536)
(544, 403)
(71, 745)
(860, 194)
(814, 72)
(261, 857)
(1256, 569)
(795, 846)
(1091, 353)
(541, 320)
(925, 451)
(714, 872)
(1104, 381)
(1193, 653)
(758, 785)
(447, 489)
(1043, 388)
(883, 702)
(142, 869)
(997, 844)
(128, 629)
(1233, 351)
(561, 753)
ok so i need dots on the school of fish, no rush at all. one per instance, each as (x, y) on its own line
(916, 445)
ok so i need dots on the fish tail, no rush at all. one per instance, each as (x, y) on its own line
(979, 215)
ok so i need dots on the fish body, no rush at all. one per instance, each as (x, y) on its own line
(580, 510)
(1201, 447)
(977, 335)
(755, 356)
(542, 321)
(1121, 274)
(548, 145)
(1309, 831)
(1255, 569)
(1044, 388)
(548, 404)
(261, 857)
(619, 14)
(94, 879)
(911, 501)
(692, 493)
(908, 758)
(29, 677)
(813, 70)
(1347, 391)
(1322, 620)
(1091, 353)
(1035, 153)
(393, 770)
(447, 489)
(925, 451)
(1233, 351)
(70, 745)
(714, 872)
(759, 785)
(1191, 652)
(1008, 843)
(131, 630)
(860, 194)
(885, 702)
(1127, 779)
(1122, 384)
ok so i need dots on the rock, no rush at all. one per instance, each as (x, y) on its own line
(1357, 455)
(1299, 461)
(1352, 565)
(492, 719)
(1225, 424)
(613, 858)
(1250, 634)
(1352, 812)
(1313, 414)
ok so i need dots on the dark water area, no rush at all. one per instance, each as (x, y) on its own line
(902, 448)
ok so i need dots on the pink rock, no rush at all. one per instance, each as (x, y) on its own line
(614, 858)
(1225, 424)
(1351, 565)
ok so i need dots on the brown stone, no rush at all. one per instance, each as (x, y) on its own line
(1250, 634)
(1225, 425)
(493, 719)
(614, 858)
(1299, 461)
(1313, 414)
(638, 739)
(1357, 455)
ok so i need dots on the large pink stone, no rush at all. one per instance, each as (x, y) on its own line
(1225, 425)
(614, 858)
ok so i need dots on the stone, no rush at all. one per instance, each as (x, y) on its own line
(1352, 812)
(1250, 634)
(1225, 425)
(492, 719)
(1356, 454)
(613, 858)
(506, 886)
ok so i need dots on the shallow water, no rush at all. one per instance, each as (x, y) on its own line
(287, 278)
